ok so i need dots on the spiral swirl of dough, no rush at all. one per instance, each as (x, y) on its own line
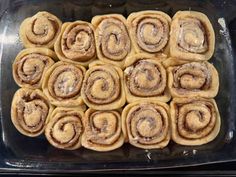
(103, 87)
(193, 79)
(195, 121)
(112, 38)
(102, 130)
(62, 84)
(65, 128)
(30, 66)
(146, 124)
(40, 30)
(30, 111)
(149, 31)
(76, 43)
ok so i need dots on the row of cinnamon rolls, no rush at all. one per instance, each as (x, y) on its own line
(105, 87)
(144, 124)
(188, 36)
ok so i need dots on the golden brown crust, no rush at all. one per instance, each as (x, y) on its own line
(65, 128)
(62, 84)
(76, 43)
(192, 36)
(195, 121)
(30, 110)
(102, 130)
(113, 43)
(30, 65)
(193, 79)
(103, 87)
(145, 79)
(149, 32)
(40, 30)
(146, 124)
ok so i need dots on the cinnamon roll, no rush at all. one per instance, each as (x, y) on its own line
(103, 87)
(30, 110)
(62, 84)
(146, 124)
(102, 130)
(145, 79)
(195, 121)
(193, 79)
(192, 36)
(40, 30)
(76, 43)
(30, 66)
(112, 39)
(65, 128)
(149, 32)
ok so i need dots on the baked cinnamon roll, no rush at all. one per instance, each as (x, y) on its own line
(149, 32)
(112, 39)
(30, 110)
(192, 36)
(62, 84)
(146, 124)
(195, 121)
(103, 87)
(40, 30)
(65, 128)
(193, 79)
(102, 130)
(76, 43)
(30, 66)
(145, 79)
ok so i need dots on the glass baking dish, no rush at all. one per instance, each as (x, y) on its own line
(22, 154)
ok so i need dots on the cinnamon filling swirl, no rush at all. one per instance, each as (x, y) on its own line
(76, 42)
(29, 112)
(146, 78)
(112, 38)
(193, 79)
(40, 30)
(102, 130)
(147, 124)
(63, 83)
(195, 120)
(192, 36)
(30, 65)
(102, 87)
(149, 31)
(65, 128)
